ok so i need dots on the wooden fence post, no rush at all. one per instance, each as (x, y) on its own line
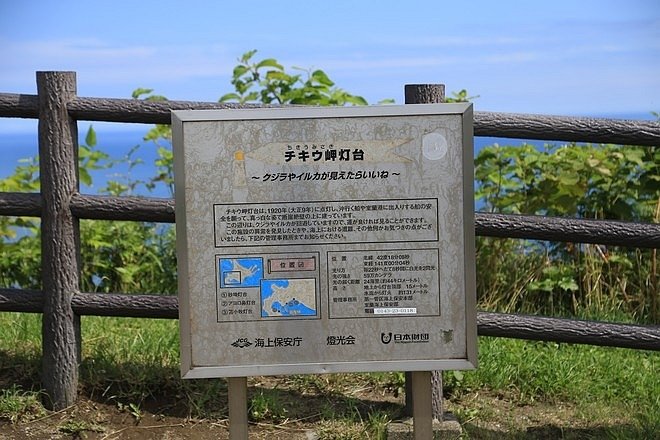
(425, 94)
(60, 237)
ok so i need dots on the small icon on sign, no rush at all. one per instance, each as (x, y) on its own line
(232, 277)
(241, 343)
(386, 338)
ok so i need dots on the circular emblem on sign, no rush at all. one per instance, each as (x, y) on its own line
(434, 146)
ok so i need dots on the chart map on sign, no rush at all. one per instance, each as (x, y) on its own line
(271, 286)
(288, 297)
(241, 272)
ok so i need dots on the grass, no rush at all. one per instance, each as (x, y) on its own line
(602, 385)
(77, 428)
(266, 405)
(132, 362)
(553, 372)
(17, 405)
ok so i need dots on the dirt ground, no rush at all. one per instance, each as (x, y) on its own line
(483, 416)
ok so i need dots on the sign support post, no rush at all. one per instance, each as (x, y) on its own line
(425, 94)
(422, 406)
(238, 419)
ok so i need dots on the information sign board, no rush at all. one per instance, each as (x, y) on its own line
(314, 240)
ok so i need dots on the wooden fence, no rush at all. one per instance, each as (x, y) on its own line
(60, 205)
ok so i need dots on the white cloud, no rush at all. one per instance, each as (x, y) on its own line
(362, 64)
(99, 63)
(450, 41)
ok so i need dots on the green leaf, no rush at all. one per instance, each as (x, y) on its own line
(247, 55)
(544, 285)
(240, 70)
(252, 96)
(140, 91)
(229, 97)
(621, 259)
(569, 179)
(280, 76)
(242, 86)
(85, 177)
(321, 77)
(634, 155)
(155, 98)
(593, 162)
(356, 100)
(604, 171)
(568, 284)
(90, 138)
(269, 62)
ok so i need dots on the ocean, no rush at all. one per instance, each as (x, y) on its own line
(119, 139)
(18, 146)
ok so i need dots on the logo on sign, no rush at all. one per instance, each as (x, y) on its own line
(404, 338)
(241, 343)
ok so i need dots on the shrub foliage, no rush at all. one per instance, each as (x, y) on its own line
(570, 180)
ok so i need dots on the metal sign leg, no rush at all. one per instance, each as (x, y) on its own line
(238, 420)
(422, 406)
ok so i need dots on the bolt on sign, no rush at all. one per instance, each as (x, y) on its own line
(316, 240)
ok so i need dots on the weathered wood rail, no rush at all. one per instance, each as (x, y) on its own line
(510, 125)
(60, 205)
(533, 328)
(152, 209)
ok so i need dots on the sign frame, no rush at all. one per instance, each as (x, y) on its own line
(189, 323)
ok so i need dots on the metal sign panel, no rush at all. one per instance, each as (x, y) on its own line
(314, 240)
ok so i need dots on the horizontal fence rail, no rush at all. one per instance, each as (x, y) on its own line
(152, 209)
(494, 124)
(536, 328)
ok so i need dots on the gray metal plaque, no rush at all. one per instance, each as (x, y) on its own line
(315, 240)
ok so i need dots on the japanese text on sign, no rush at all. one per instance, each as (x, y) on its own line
(329, 155)
(383, 283)
(413, 220)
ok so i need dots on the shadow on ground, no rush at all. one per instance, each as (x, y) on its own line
(134, 401)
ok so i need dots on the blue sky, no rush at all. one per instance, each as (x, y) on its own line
(552, 57)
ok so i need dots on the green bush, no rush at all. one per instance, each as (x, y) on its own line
(584, 181)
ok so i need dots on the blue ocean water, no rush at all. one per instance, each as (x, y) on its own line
(120, 139)
(16, 147)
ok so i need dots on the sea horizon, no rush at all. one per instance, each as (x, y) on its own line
(118, 139)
